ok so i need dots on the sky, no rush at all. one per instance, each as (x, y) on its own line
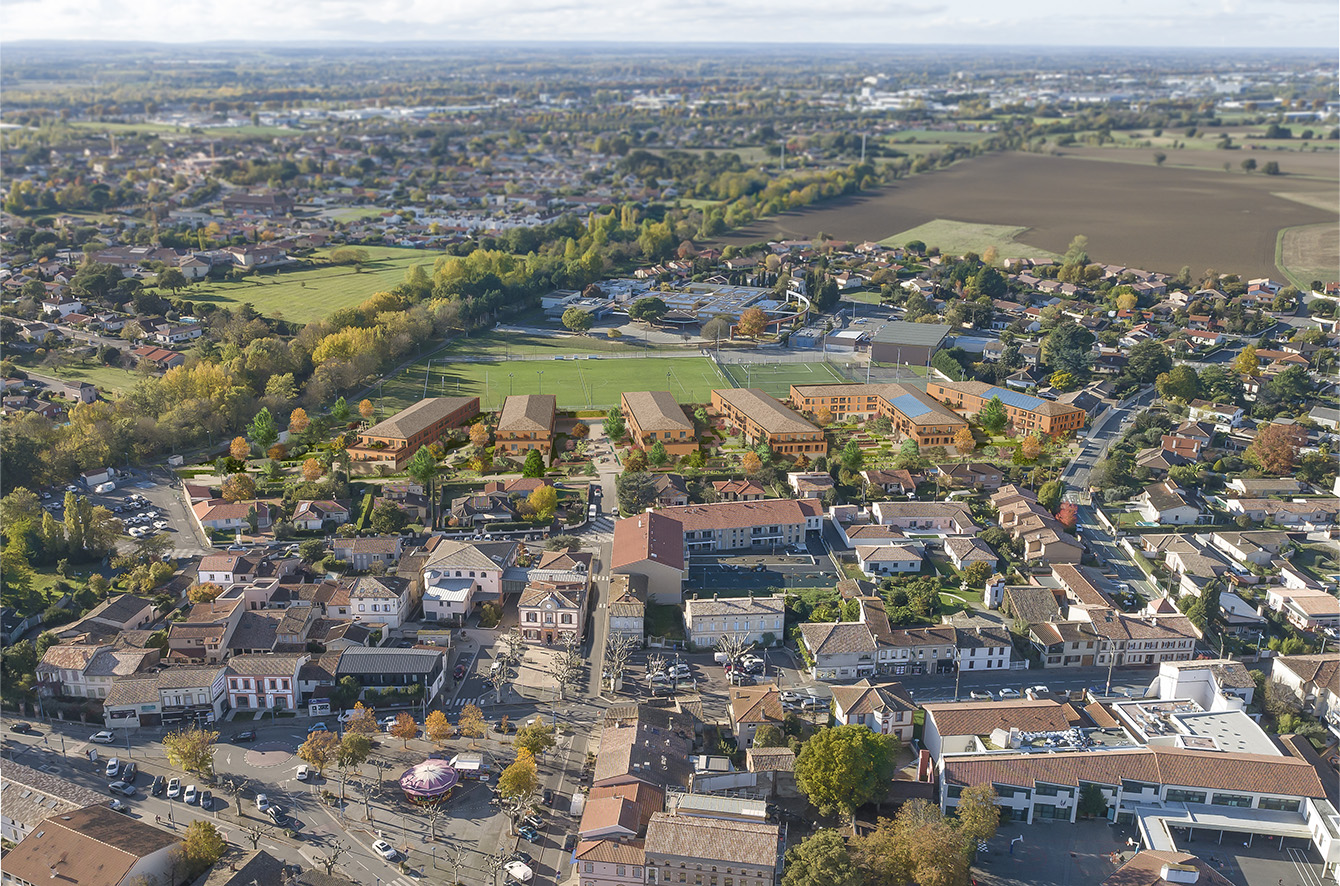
(1111, 23)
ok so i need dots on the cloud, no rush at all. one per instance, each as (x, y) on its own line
(1145, 23)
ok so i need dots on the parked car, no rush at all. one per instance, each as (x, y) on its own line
(981, 695)
(206, 800)
(121, 787)
(174, 788)
(384, 849)
(103, 737)
(128, 771)
(814, 703)
(22, 729)
(262, 802)
(1009, 693)
(243, 737)
(113, 767)
(533, 821)
(549, 797)
(317, 727)
(118, 806)
(569, 842)
(303, 773)
(522, 856)
(459, 672)
(529, 834)
(159, 785)
(1038, 691)
(276, 814)
(191, 795)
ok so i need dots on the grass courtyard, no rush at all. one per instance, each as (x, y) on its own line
(775, 379)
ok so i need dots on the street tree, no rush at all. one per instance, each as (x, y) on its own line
(438, 728)
(618, 649)
(656, 664)
(432, 814)
(964, 441)
(354, 750)
(567, 667)
(735, 646)
(535, 737)
(635, 490)
(534, 465)
(362, 720)
(320, 750)
(236, 785)
(255, 832)
(544, 501)
(471, 724)
(191, 749)
(330, 859)
(203, 844)
(239, 448)
(521, 779)
(844, 767)
(404, 728)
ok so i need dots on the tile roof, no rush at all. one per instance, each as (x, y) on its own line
(713, 839)
(770, 760)
(93, 846)
(1323, 670)
(980, 718)
(768, 412)
(770, 605)
(648, 536)
(969, 548)
(610, 852)
(756, 704)
(450, 553)
(387, 661)
(838, 638)
(29, 795)
(414, 419)
(528, 413)
(386, 587)
(70, 658)
(120, 609)
(743, 514)
(656, 411)
(132, 692)
(266, 665)
(865, 697)
(1212, 770)
(1146, 869)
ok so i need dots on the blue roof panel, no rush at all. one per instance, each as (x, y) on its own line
(1014, 398)
(910, 406)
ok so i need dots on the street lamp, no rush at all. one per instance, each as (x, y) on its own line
(509, 384)
(540, 373)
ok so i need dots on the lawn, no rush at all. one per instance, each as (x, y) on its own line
(1308, 253)
(865, 298)
(313, 293)
(776, 379)
(956, 238)
(578, 383)
(109, 379)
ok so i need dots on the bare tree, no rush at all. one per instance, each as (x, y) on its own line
(254, 833)
(512, 646)
(735, 646)
(455, 861)
(331, 857)
(568, 666)
(501, 677)
(433, 814)
(235, 786)
(493, 865)
(618, 649)
(655, 664)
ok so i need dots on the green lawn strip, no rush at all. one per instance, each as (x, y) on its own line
(957, 237)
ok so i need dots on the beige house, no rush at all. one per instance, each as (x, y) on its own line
(751, 618)
(684, 849)
(885, 708)
(752, 707)
(526, 423)
(93, 846)
(551, 611)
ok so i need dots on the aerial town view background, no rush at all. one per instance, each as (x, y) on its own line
(714, 464)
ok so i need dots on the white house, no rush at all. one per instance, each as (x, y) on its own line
(1223, 417)
(707, 621)
(314, 515)
(888, 559)
(264, 681)
(1314, 679)
(379, 600)
(885, 708)
(1165, 503)
(459, 575)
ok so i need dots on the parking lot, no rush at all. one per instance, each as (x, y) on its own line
(149, 504)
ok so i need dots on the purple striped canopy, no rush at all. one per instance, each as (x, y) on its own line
(429, 780)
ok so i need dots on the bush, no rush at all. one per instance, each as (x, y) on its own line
(490, 614)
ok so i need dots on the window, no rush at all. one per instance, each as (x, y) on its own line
(361, 608)
(1278, 803)
(621, 871)
(1241, 801)
(589, 868)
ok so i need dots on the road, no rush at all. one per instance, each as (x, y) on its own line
(1107, 430)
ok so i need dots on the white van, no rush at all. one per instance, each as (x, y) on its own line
(518, 870)
(104, 488)
(721, 658)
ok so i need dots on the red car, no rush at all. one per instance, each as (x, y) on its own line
(460, 672)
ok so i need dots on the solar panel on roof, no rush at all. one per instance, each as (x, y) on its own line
(910, 406)
(1014, 398)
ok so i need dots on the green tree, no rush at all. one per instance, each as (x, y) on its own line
(1147, 359)
(534, 465)
(976, 573)
(203, 845)
(1067, 348)
(536, 737)
(578, 320)
(614, 424)
(340, 411)
(543, 500)
(821, 859)
(716, 329)
(262, 430)
(988, 282)
(648, 310)
(1049, 494)
(977, 813)
(1179, 383)
(657, 455)
(521, 779)
(636, 491)
(1249, 165)
(1092, 803)
(422, 469)
(844, 767)
(388, 518)
(320, 750)
(173, 279)
(993, 416)
(191, 749)
(852, 457)
(769, 736)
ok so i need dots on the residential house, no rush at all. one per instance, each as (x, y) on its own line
(393, 442)
(123, 612)
(481, 509)
(90, 671)
(968, 475)
(1310, 514)
(964, 550)
(886, 708)
(811, 485)
(942, 517)
(93, 846)
(628, 606)
(758, 620)
(877, 560)
(162, 358)
(527, 422)
(728, 525)
(898, 482)
(1044, 537)
(1309, 608)
(264, 682)
(1167, 504)
(362, 553)
(379, 600)
(1222, 417)
(1266, 486)
(226, 516)
(205, 634)
(620, 813)
(1314, 680)
(315, 516)
(738, 490)
(966, 726)
(671, 491)
(608, 863)
(642, 744)
(761, 419)
(180, 694)
(654, 417)
(460, 576)
(751, 707)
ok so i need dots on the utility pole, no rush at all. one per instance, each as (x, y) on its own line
(783, 155)
(863, 149)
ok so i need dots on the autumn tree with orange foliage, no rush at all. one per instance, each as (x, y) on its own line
(311, 470)
(239, 448)
(298, 421)
(366, 409)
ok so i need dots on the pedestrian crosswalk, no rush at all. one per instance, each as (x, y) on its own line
(478, 701)
(600, 529)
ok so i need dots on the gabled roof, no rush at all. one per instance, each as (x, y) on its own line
(756, 704)
(838, 638)
(981, 718)
(528, 413)
(872, 698)
(656, 411)
(93, 846)
(713, 839)
(408, 422)
(648, 536)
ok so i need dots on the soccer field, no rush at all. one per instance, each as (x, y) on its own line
(578, 384)
(776, 379)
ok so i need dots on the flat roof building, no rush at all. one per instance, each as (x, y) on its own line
(910, 343)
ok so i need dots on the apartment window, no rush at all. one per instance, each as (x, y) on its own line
(620, 870)
(589, 868)
(361, 607)
(530, 616)
(1242, 801)
(1278, 803)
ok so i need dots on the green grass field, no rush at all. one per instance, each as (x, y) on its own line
(112, 381)
(775, 379)
(955, 238)
(302, 296)
(579, 384)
